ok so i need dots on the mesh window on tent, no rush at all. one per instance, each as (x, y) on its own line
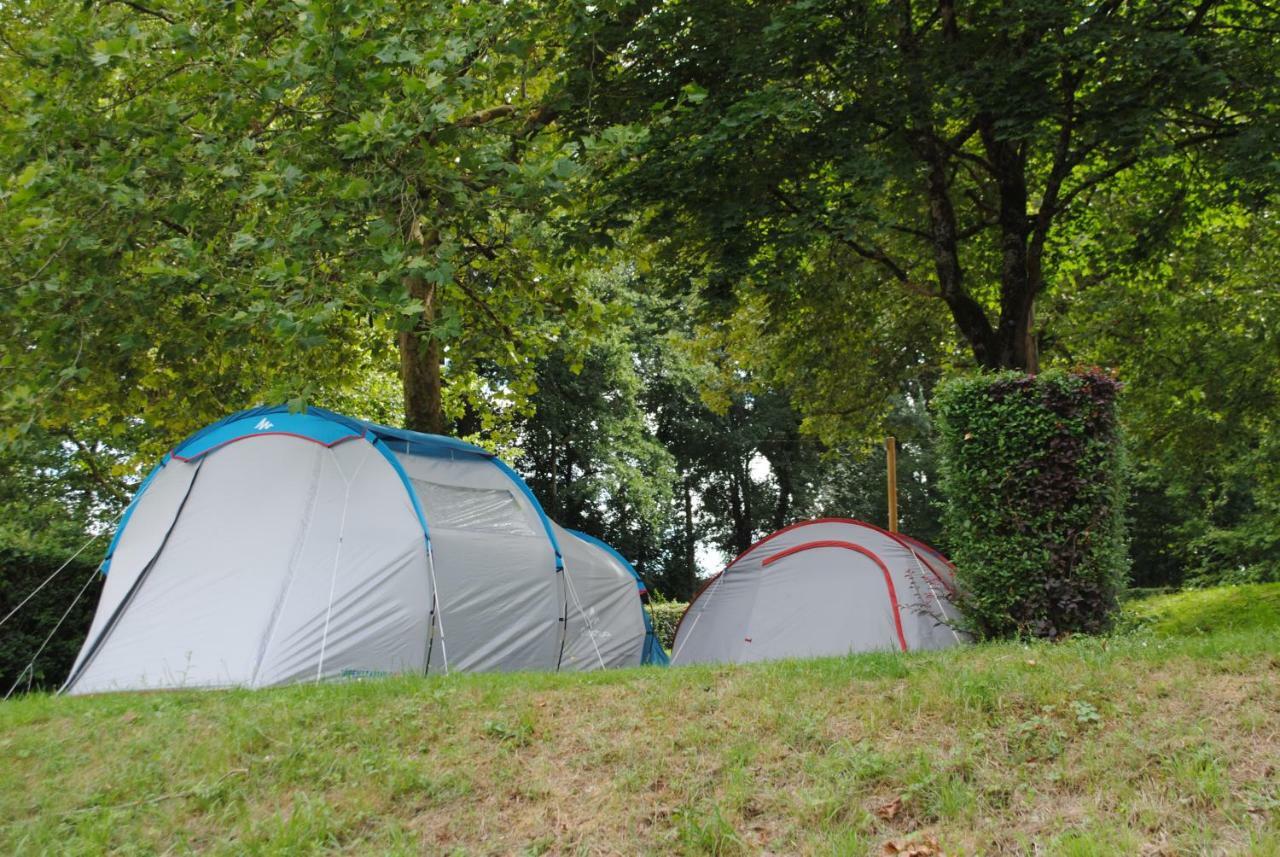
(462, 508)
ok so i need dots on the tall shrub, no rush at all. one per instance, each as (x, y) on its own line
(666, 616)
(1031, 470)
(21, 637)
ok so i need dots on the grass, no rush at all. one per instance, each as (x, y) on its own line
(1153, 742)
(1202, 611)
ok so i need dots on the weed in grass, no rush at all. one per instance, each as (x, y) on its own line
(844, 842)
(1085, 713)
(704, 830)
(859, 761)
(1198, 776)
(952, 799)
(538, 847)
(1265, 843)
(978, 693)
(1038, 738)
(805, 732)
(517, 732)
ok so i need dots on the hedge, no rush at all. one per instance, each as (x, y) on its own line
(666, 615)
(20, 573)
(1031, 471)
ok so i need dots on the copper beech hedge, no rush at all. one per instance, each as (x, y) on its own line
(1033, 476)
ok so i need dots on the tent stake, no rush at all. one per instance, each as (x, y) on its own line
(891, 464)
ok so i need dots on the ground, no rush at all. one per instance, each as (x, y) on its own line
(1161, 740)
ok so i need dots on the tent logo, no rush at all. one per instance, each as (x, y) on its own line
(264, 424)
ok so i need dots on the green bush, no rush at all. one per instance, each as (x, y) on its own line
(20, 573)
(666, 615)
(1031, 470)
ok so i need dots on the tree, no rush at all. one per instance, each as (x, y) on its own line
(588, 449)
(55, 492)
(943, 147)
(267, 200)
(1194, 337)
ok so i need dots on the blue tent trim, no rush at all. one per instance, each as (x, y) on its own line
(307, 426)
(408, 486)
(322, 426)
(653, 651)
(329, 428)
(403, 440)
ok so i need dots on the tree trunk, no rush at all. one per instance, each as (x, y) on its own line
(783, 509)
(782, 465)
(689, 577)
(421, 360)
(737, 514)
(420, 365)
(740, 506)
(1011, 343)
(1008, 161)
(967, 313)
(555, 481)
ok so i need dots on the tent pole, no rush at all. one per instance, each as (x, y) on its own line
(891, 464)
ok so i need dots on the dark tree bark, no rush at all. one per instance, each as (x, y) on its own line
(1008, 161)
(689, 575)
(740, 506)
(555, 480)
(783, 466)
(421, 365)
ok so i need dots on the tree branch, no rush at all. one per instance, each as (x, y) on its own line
(145, 10)
(175, 226)
(480, 302)
(1126, 163)
(1197, 17)
(871, 252)
(91, 464)
(1063, 164)
(540, 118)
(484, 117)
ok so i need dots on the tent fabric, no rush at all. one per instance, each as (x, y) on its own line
(826, 587)
(501, 595)
(274, 547)
(653, 651)
(604, 628)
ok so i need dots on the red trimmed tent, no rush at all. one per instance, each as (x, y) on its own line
(825, 587)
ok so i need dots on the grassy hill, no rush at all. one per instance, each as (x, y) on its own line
(1161, 741)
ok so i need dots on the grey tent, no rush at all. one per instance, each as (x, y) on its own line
(275, 547)
(823, 587)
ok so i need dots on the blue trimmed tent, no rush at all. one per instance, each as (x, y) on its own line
(275, 547)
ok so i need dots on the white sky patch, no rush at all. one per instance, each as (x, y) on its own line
(759, 468)
(709, 559)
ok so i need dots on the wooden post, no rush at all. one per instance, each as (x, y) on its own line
(891, 464)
